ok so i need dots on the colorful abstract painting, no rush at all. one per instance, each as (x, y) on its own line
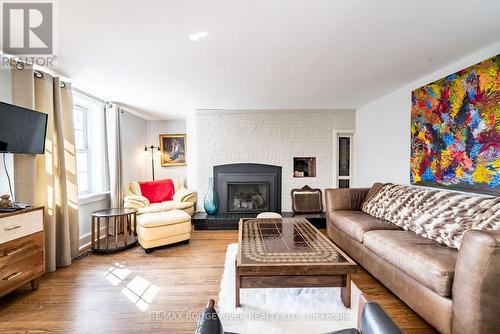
(455, 130)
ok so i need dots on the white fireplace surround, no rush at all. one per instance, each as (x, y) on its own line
(274, 137)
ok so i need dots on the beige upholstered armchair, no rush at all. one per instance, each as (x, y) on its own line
(184, 199)
(164, 223)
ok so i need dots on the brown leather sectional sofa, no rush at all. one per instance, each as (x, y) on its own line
(456, 291)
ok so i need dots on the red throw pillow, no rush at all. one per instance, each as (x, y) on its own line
(158, 191)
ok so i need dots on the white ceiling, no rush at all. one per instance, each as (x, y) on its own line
(262, 54)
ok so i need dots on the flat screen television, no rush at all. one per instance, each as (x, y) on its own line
(22, 130)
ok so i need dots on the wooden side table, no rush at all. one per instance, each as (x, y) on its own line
(123, 225)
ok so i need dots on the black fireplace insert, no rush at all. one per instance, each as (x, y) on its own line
(248, 188)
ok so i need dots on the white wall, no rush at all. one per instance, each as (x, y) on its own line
(192, 165)
(383, 128)
(5, 86)
(268, 137)
(85, 210)
(5, 96)
(154, 130)
(138, 132)
(136, 162)
(344, 120)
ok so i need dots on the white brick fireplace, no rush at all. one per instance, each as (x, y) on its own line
(272, 137)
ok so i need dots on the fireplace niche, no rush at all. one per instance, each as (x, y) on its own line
(248, 188)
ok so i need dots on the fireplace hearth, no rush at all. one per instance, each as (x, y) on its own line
(248, 188)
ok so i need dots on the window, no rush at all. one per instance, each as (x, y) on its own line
(90, 144)
(80, 115)
(344, 162)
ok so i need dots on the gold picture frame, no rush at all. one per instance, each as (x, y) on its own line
(173, 148)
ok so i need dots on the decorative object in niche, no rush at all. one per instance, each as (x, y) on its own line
(304, 167)
(306, 200)
(298, 174)
(455, 140)
(173, 150)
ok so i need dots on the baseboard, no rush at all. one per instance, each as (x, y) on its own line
(85, 242)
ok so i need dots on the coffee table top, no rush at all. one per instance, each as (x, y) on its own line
(289, 243)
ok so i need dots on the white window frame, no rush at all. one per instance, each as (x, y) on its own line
(87, 150)
(343, 133)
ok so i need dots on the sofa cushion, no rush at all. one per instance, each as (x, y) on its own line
(442, 216)
(427, 261)
(356, 223)
(373, 190)
(162, 218)
(172, 232)
(165, 206)
(158, 191)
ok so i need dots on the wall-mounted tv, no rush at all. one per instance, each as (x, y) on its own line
(21, 130)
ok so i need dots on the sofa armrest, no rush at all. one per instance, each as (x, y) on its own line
(476, 284)
(135, 202)
(345, 199)
(185, 195)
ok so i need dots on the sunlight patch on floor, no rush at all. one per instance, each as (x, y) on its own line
(141, 292)
(116, 274)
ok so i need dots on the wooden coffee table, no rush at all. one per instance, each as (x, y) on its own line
(290, 253)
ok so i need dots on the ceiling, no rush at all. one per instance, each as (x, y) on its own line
(265, 54)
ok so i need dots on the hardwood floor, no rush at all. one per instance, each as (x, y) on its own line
(99, 294)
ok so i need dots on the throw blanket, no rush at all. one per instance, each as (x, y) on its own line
(438, 215)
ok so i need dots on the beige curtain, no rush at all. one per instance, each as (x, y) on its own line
(114, 142)
(22, 86)
(53, 182)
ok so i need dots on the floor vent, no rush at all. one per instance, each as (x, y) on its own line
(83, 256)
